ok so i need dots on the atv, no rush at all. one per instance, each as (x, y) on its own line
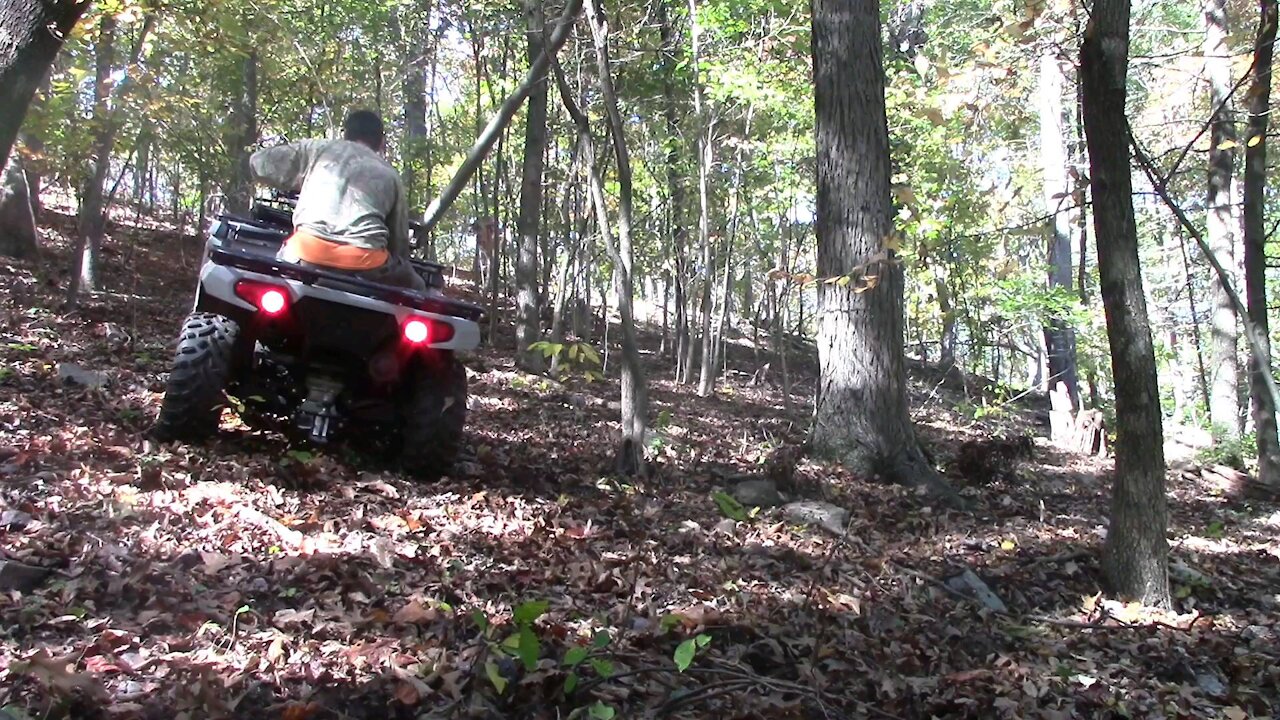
(320, 352)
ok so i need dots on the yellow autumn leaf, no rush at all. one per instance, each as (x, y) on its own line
(1007, 545)
(1253, 141)
(1228, 144)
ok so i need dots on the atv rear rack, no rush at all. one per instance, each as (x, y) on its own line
(340, 281)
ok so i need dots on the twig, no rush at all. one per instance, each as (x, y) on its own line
(705, 692)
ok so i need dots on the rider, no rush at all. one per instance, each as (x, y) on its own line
(351, 213)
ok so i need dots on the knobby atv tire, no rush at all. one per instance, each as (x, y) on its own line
(194, 395)
(434, 417)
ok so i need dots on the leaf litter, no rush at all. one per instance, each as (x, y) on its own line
(245, 578)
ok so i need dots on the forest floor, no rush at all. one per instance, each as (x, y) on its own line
(244, 578)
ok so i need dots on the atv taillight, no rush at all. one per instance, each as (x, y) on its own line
(421, 331)
(269, 299)
(417, 331)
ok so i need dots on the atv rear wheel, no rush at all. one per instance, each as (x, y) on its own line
(434, 416)
(194, 395)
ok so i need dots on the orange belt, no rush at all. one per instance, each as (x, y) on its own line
(319, 251)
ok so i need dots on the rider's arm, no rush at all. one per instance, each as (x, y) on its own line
(398, 225)
(282, 167)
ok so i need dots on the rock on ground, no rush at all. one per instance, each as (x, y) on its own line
(816, 512)
(757, 493)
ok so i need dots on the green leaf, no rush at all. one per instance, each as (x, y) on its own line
(703, 640)
(575, 655)
(495, 676)
(684, 654)
(600, 711)
(529, 649)
(729, 506)
(603, 668)
(530, 611)
(600, 639)
(570, 683)
(481, 620)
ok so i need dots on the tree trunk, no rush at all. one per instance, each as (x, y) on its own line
(679, 236)
(1059, 338)
(33, 32)
(1202, 375)
(861, 418)
(142, 169)
(92, 218)
(535, 145)
(1221, 221)
(1135, 558)
(630, 456)
(244, 136)
(506, 111)
(1255, 238)
(707, 382)
(18, 237)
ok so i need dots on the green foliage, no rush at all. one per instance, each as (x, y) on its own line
(575, 358)
(688, 649)
(1232, 451)
(729, 506)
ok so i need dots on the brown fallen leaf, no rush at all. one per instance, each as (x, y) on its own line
(415, 612)
(55, 674)
(299, 711)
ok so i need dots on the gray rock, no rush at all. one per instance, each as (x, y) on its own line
(1212, 684)
(972, 586)
(816, 512)
(757, 493)
(14, 519)
(76, 375)
(23, 578)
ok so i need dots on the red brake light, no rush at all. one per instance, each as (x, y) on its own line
(271, 302)
(269, 299)
(424, 331)
(416, 331)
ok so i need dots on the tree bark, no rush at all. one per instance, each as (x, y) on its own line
(1059, 338)
(18, 237)
(861, 418)
(1221, 221)
(630, 455)
(535, 145)
(1255, 237)
(1135, 557)
(244, 136)
(92, 218)
(31, 33)
(679, 236)
(506, 111)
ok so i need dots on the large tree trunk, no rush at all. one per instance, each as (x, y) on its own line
(31, 33)
(679, 236)
(1135, 559)
(1221, 221)
(861, 418)
(244, 136)
(414, 106)
(18, 237)
(92, 217)
(489, 135)
(535, 145)
(1255, 238)
(1059, 338)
